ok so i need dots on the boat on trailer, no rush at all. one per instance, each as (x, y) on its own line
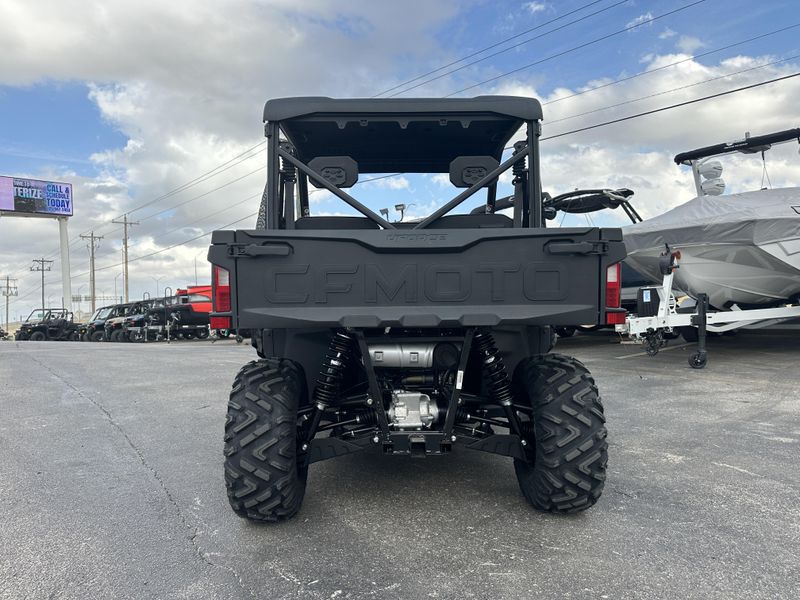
(741, 250)
(738, 254)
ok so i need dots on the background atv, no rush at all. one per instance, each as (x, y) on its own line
(412, 337)
(48, 324)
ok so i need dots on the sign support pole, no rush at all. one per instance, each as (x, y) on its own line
(66, 281)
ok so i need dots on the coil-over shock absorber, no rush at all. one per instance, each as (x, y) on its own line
(288, 170)
(329, 381)
(496, 376)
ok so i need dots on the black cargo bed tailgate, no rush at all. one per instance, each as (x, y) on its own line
(409, 278)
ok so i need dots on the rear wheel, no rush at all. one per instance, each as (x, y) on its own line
(114, 336)
(264, 479)
(202, 334)
(568, 451)
(97, 336)
(38, 336)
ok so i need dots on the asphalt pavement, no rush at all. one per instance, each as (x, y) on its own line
(111, 487)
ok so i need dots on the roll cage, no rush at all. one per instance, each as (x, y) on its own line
(463, 136)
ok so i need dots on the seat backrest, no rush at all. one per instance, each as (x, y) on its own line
(334, 223)
(479, 221)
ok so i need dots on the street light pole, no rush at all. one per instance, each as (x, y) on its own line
(115, 286)
(157, 279)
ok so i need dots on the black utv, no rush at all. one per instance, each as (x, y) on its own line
(48, 324)
(93, 330)
(420, 337)
(114, 327)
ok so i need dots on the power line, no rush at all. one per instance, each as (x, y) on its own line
(222, 167)
(125, 224)
(42, 265)
(578, 47)
(8, 291)
(675, 89)
(207, 233)
(199, 178)
(92, 247)
(672, 106)
(672, 64)
(260, 169)
(482, 50)
(487, 57)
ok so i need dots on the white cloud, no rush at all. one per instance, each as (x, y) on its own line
(442, 180)
(641, 19)
(688, 44)
(638, 153)
(389, 183)
(667, 33)
(535, 7)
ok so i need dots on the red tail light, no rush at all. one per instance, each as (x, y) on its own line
(614, 314)
(221, 286)
(222, 290)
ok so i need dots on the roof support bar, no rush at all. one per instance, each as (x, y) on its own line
(335, 190)
(470, 191)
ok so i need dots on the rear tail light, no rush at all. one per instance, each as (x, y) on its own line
(614, 314)
(222, 289)
(221, 284)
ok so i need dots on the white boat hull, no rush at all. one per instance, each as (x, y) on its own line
(742, 249)
(729, 273)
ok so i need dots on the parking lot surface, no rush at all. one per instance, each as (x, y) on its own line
(111, 471)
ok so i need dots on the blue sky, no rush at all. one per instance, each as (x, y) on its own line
(139, 99)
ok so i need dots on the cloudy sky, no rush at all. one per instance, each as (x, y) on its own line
(154, 109)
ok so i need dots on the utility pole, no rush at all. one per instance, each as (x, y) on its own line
(42, 265)
(125, 223)
(9, 290)
(92, 247)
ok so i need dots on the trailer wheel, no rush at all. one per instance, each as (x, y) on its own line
(568, 452)
(265, 482)
(37, 336)
(698, 360)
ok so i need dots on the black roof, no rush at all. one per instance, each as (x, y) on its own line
(516, 107)
(409, 135)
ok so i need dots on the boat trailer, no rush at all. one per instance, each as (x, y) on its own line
(653, 330)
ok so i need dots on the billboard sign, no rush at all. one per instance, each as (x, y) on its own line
(32, 197)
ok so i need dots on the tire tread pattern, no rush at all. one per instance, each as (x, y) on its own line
(571, 452)
(262, 476)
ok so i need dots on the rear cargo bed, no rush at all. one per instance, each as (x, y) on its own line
(410, 278)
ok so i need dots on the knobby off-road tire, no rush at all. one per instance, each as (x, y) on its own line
(262, 474)
(570, 452)
(97, 336)
(38, 336)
